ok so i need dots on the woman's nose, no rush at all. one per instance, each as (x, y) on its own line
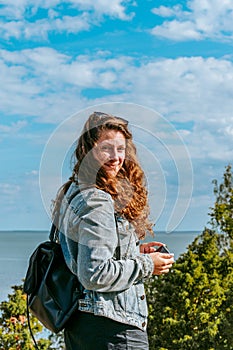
(113, 154)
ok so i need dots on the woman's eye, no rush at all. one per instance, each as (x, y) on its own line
(105, 148)
(109, 149)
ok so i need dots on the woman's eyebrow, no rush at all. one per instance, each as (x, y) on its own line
(112, 143)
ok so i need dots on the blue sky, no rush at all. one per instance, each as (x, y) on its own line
(61, 59)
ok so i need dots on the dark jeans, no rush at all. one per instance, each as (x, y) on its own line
(86, 331)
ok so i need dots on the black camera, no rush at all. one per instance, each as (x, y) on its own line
(162, 249)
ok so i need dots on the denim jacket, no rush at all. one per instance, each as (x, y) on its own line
(113, 287)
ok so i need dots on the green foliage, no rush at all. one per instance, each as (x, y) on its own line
(191, 307)
(57, 341)
(14, 331)
(222, 212)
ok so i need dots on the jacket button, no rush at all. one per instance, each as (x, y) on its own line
(143, 324)
(142, 297)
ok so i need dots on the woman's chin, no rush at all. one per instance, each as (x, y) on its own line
(111, 172)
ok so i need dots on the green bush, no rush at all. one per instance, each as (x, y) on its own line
(191, 307)
(14, 332)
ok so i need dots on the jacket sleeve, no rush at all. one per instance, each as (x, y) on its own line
(97, 269)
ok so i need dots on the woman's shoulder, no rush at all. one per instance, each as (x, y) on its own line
(89, 199)
(86, 193)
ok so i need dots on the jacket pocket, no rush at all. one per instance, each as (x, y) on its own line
(136, 300)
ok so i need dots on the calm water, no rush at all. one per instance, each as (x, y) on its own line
(17, 246)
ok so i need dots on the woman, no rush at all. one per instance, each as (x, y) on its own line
(100, 236)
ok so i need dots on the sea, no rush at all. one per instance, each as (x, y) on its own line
(17, 246)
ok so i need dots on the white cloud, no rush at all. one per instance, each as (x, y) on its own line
(32, 173)
(40, 28)
(51, 86)
(45, 83)
(13, 9)
(204, 19)
(13, 129)
(19, 18)
(114, 8)
(68, 24)
(229, 130)
(9, 190)
(164, 11)
(177, 30)
(18, 8)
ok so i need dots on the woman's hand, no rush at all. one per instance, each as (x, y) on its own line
(162, 261)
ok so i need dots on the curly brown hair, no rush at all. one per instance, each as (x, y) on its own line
(128, 188)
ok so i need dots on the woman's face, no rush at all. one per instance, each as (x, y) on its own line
(109, 151)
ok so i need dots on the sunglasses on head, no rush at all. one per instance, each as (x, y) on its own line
(103, 116)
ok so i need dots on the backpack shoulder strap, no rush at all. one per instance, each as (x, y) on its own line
(53, 235)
